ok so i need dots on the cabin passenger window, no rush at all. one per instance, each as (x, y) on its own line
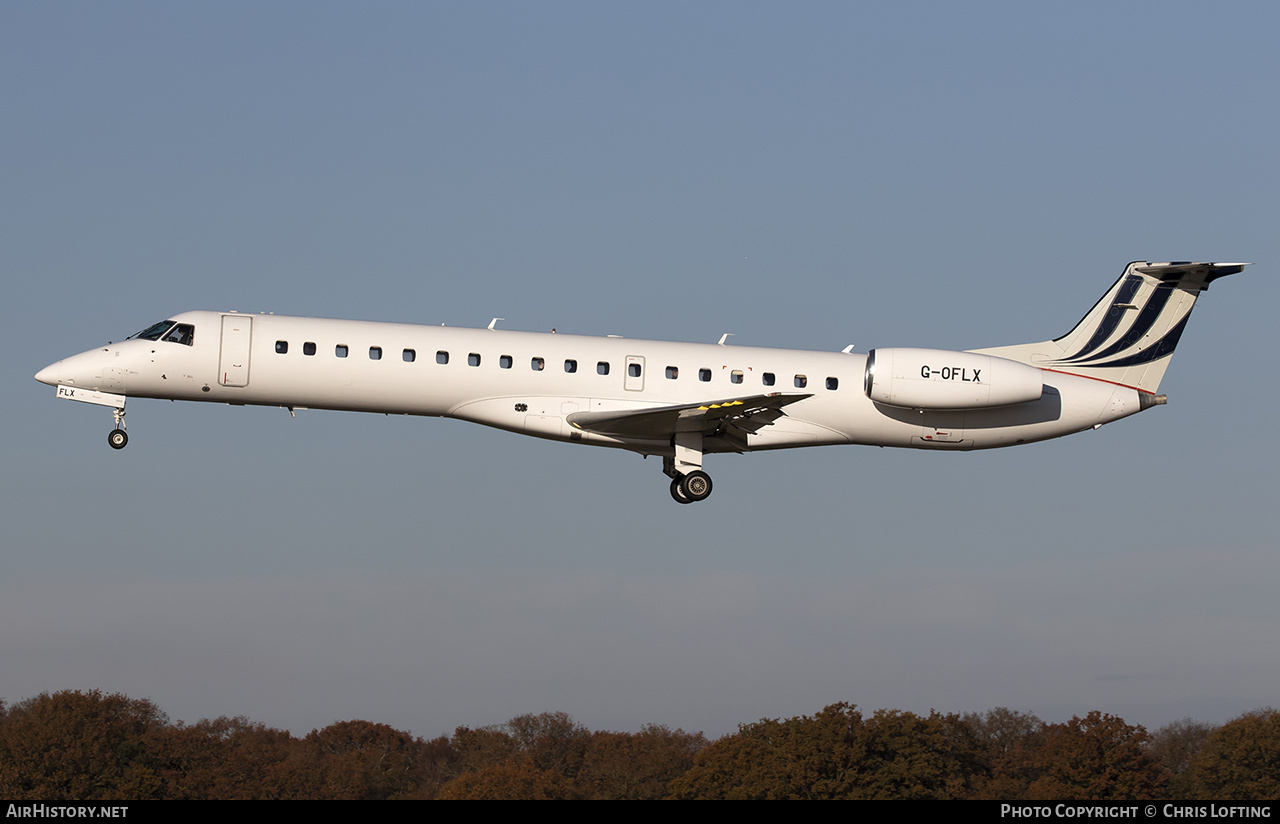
(833, 383)
(409, 355)
(602, 368)
(340, 350)
(442, 356)
(473, 359)
(633, 369)
(282, 346)
(801, 381)
(735, 376)
(537, 364)
(504, 361)
(375, 353)
(672, 373)
(571, 366)
(767, 378)
(309, 348)
(704, 374)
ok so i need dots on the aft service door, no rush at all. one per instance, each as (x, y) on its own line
(233, 365)
(943, 428)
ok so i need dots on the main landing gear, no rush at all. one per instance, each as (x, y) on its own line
(689, 484)
(118, 438)
(691, 488)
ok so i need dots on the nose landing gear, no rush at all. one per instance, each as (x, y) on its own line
(118, 438)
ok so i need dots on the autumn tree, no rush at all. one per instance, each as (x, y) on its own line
(482, 747)
(642, 765)
(1241, 759)
(366, 761)
(436, 765)
(229, 759)
(1006, 740)
(836, 754)
(234, 758)
(550, 740)
(79, 745)
(912, 756)
(512, 781)
(1098, 757)
(1175, 747)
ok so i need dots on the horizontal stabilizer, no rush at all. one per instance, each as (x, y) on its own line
(1201, 274)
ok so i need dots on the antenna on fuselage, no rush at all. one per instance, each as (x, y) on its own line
(724, 338)
(494, 323)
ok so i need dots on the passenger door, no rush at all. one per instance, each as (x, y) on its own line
(233, 364)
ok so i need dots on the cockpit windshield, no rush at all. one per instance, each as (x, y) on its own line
(152, 332)
(167, 330)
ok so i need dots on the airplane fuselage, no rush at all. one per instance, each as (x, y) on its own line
(531, 383)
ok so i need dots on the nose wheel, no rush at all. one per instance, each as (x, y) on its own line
(117, 437)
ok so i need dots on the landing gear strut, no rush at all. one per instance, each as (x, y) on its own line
(118, 438)
(689, 484)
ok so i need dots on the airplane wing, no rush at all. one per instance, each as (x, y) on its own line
(732, 417)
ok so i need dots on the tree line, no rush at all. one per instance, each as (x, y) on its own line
(87, 746)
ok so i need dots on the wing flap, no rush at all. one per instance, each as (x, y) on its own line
(749, 414)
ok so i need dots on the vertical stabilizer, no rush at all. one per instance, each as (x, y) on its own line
(1128, 337)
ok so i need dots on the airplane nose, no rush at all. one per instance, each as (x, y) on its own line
(85, 369)
(96, 369)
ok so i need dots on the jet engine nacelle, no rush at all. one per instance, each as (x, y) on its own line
(938, 379)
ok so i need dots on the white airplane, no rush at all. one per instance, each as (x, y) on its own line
(680, 401)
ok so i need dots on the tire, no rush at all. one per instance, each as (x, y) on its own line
(696, 485)
(118, 438)
(677, 494)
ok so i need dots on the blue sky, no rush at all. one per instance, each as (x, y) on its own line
(806, 176)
